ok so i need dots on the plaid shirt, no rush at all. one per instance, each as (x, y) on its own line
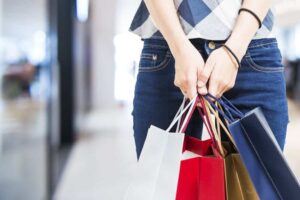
(207, 19)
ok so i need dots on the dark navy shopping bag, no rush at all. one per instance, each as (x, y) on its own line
(269, 171)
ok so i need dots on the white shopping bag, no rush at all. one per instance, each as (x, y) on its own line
(157, 170)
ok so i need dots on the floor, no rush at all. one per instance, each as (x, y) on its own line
(22, 150)
(292, 147)
(103, 159)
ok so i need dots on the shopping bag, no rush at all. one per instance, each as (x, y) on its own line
(264, 161)
(238, 182)
(264, 144)
(201, 177)
(237, 179)
(157, 170)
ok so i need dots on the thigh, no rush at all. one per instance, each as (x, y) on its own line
(260, 82)
(156, 98)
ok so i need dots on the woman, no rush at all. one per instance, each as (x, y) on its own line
(201, 46)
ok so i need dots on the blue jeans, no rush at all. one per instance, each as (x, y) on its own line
(260, 82)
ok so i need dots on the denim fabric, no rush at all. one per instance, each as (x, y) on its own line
(260, 82)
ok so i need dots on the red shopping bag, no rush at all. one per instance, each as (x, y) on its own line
(202, 177)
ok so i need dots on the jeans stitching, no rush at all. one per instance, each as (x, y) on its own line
(147, 55)
(256, 67)
(261, 45)
(161, 66)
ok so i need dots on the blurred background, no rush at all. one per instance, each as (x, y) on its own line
(67, 75)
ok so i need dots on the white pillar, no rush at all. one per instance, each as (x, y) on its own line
(102, 50)
(1, 48)
(1, 17)
(1, 67)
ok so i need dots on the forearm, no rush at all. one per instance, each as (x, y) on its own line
(166, 19)
(246, 25)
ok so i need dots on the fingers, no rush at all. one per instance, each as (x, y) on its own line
(187, 86)
(204, 75)
(218, 85)
(216, 77)
(228, 86)
(192, 91)
(223, 74)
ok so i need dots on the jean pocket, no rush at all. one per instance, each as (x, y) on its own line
(154, 59)
(264, 57)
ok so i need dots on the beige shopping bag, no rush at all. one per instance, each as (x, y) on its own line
(238, 182)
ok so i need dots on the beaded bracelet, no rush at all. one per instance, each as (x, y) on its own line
(253, 14)
(233, 54)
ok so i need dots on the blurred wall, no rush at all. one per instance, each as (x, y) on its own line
(1, 16)
(1, 11)
(103, 15)
(287, 12)
(22, 18)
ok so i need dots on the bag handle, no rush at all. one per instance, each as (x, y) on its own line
(226, 101)
(210, 107)
(227, 105)
(189, 115)
(229, 118)
(217, 139)
(203, 114)
(190, 107)
(184, 101)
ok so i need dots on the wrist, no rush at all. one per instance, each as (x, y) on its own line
(232, 56)
(179, 45)
(242, 34)
(238, 46)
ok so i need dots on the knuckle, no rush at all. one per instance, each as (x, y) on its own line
(185, 80)
(179, 81)
(188, 80)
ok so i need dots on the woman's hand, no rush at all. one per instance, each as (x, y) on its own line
(188, 61)
(219, 73)
(188, 65)
(220, 70)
